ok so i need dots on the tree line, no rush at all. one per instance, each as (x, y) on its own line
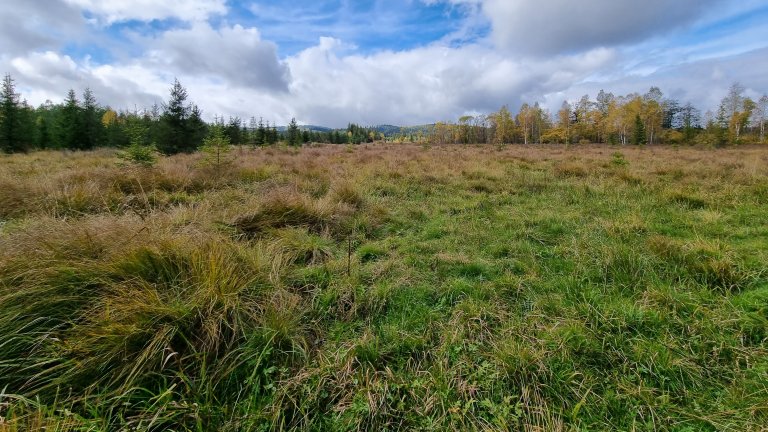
(176, 126)
(638, 119)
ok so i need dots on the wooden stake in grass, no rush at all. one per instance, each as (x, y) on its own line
(349, 255)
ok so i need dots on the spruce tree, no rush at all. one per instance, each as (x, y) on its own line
(198, 129)
(261, 133)
(70, 125)
(179, 131)
(272, 134)
(293, 134)
(638, 138)
(233, 130)
(43, 137)
(93, 129)
(12, 133)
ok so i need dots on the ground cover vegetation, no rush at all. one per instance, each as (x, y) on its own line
(384, 287)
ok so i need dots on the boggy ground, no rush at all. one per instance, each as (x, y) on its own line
(386, 287)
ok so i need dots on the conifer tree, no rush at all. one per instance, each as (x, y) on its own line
(293, 134)
(217, 148)
(180, 123)
(43, 136)
(12, 133)
(70, 125)
(639, 138)
(198, 129)
(261, 133)
(93, 129)
(272, 134)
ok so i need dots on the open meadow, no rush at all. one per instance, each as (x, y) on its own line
(386, 287)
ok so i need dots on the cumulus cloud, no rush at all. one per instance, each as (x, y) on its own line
(235, 54)
(230, 69)
(560, 26)
(424, 84)
(26, 26)
(113, 11)
(49, 75)
(703, 83)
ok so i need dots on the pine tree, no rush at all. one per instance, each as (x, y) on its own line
(177, 131)
(70, 125)
(12, 133)
(93, 129)
(272, 134)
(639, 138)
(293, 134)
(217, 148)
(198, 129)
(43, 137)
(261, 133)
(234, 131)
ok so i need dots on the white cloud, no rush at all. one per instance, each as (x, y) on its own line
(25, 26)
(703, 83)
(560, 26)
(112, 11)
(235, 54)
(232, 70)
(425, 84)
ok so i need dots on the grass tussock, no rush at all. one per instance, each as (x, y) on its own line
(286, 209)
(386, 287)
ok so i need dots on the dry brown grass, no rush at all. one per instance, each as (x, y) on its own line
(65, 184)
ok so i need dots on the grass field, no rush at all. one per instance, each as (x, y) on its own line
(386, 287)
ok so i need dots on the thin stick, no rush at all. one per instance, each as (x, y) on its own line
(349, 255)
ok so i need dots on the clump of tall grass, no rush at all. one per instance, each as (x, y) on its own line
(113, 320)
(286, 208)
(709, 263)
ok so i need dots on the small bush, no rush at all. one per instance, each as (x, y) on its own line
(140, 155)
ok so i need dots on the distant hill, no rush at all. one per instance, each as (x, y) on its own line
(387, 130)
(311, 128)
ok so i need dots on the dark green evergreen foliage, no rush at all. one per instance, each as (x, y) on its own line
(13, 136)
(116, 134)
(357, 134)
(43, 138)
(274, 137)
(718, 128)
(260, 133)
(639, 137)
(293, 134)
(70, 123)
(176, 132)
(198, 128)
(93, 129)
(233, 130)
(45, 126)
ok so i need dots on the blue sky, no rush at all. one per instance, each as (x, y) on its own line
(400, 61)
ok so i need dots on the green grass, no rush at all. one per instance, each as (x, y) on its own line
(387, 288)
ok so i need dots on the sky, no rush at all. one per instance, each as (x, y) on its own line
(401, 62)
